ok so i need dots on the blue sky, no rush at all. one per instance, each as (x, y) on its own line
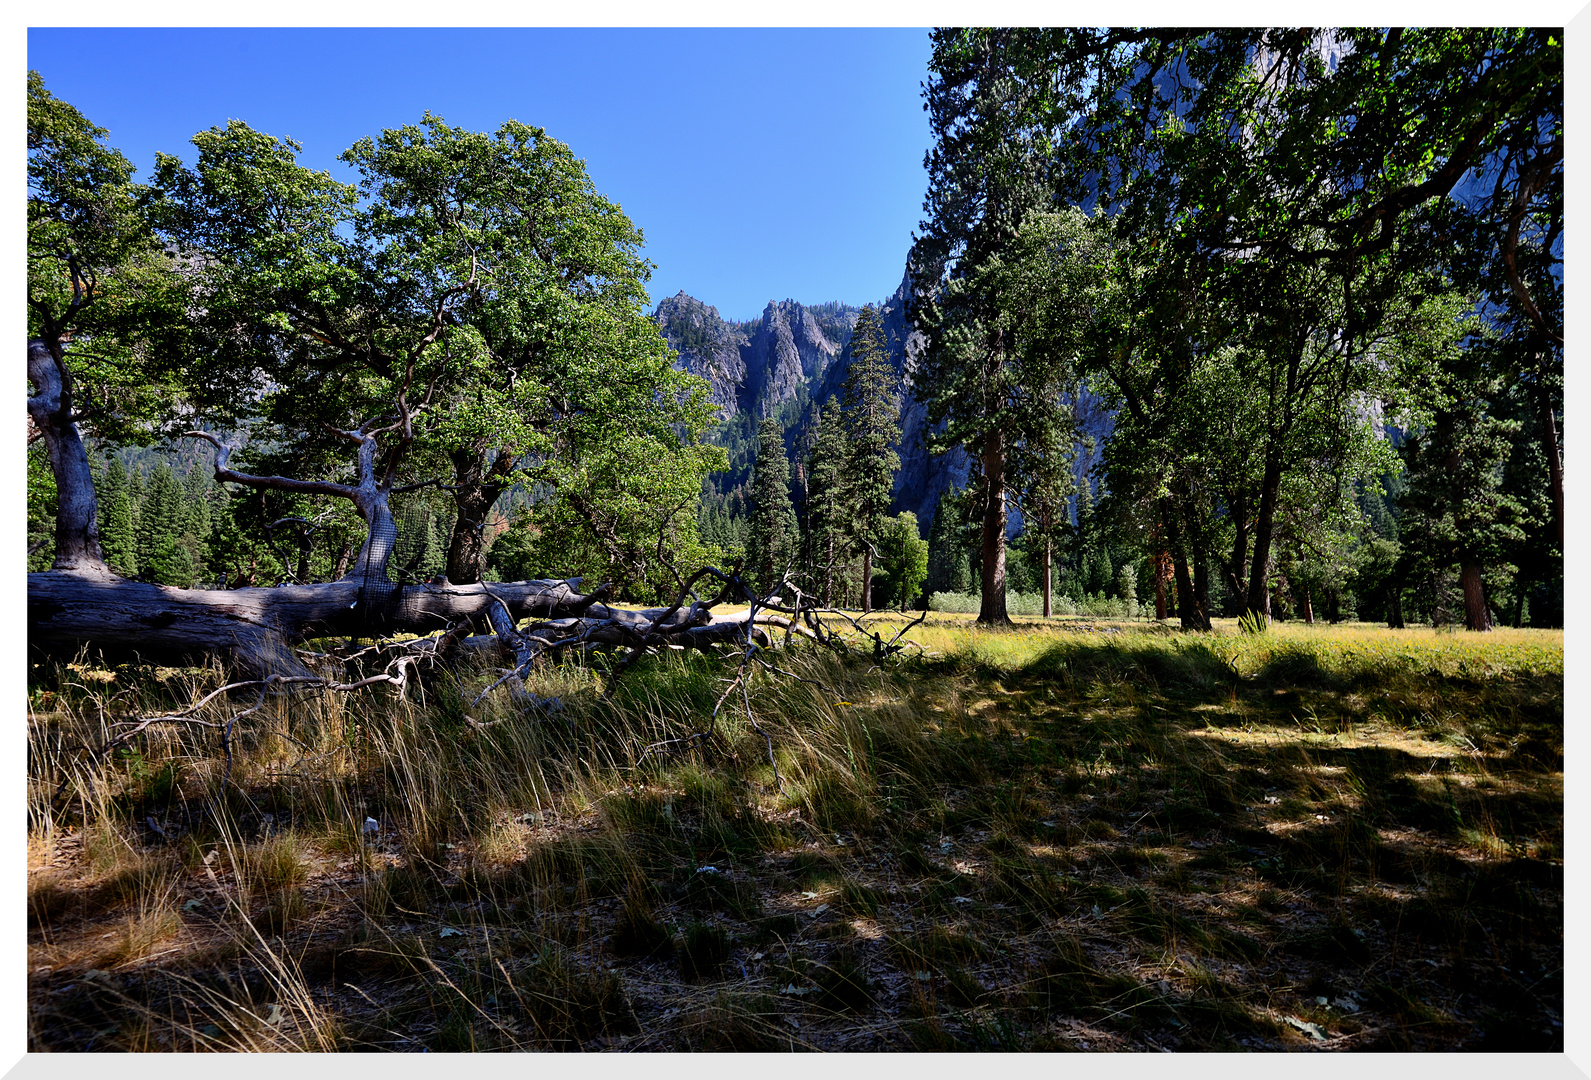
(760, 164)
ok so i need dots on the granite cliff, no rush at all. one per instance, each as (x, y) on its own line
(755, 366)
(793, 360)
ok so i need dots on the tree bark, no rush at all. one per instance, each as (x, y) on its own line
(1549, 438)
(1162, 561)
(253, 628)
(342, 560)
(1259, 594)
(1185, 612)
(828, 570)
(77, 514)
(476, 488)
(1048, 564)
(867, 578)
(1189, 611)
(1476, 614)
(991, 608)
(1395, 608)
(1235, 575)
(1306, 607)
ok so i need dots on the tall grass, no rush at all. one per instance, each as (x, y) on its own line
(1024, 831)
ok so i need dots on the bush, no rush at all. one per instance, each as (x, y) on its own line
(957, 603)
(1017, 603)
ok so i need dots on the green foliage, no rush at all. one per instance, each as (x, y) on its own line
(99, 285)
(1456, 508)
(627, 516)
(1097, 606)
(903, 560)
(482, 279)
(870, 416)
(828, 511)
(1253, 622)
(41, 509)
(771, 534)
(951, 540)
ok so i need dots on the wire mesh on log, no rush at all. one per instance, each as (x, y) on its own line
(378, 595)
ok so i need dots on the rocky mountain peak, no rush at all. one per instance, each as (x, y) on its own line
(755, 367)
(707, 346)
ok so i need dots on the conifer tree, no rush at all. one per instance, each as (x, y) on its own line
(827, 511)
(159, 526)
(872, 427)
(118, 537)
(195, 517)
(1455, 508)
(771, 533)
(1042, 460)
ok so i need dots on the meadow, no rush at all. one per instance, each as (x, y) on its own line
(1074, 834)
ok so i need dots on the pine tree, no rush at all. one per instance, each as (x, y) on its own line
(118, 538)
(771, 533)
(827, 513)
(194, 521)
(161, 557)
(872, 427)
(1041, 467)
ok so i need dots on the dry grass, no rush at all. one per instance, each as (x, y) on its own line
(1075, 835)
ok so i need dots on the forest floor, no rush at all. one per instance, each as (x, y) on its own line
(1070, 835)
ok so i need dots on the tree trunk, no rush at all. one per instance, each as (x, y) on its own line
(992, 609)
(1185, 610)
(466, 552)
(1476, 614)
(828, 570)
(77, 515)
(1306, 606)
(1236, 578)
(342, 560)
(1259, 594)
(1201, 589)
(253, 628)
(370, 496)
(867, 579)
(1189, 612)
(476, 489)
(1048, 564)
(1549, 439)
(1162, 565)
(1521, 587)
(1395, 608)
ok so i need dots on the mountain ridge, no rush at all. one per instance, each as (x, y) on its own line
(792, 361)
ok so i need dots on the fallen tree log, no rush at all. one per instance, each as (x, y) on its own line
(255, 629)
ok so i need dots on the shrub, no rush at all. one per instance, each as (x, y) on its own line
(1019, 603)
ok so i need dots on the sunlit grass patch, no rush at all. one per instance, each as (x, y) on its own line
(1031, 834)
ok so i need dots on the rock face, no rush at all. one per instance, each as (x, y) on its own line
(707, 346)
(789, 348)
(756, 367)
